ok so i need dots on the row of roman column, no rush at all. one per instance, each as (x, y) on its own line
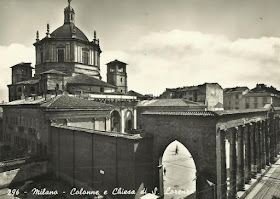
(253, 146)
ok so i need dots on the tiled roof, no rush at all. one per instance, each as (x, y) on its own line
(105, 133)
(61, 102)
(192, 88)
(169, 102)
(116, 61)
(29, 101)
(133, 93)
(23, 64)
(262, 88)
(29, 82)
(52, 71)
(68, 102)
(182, 113)
(239, 111)
(236, 89)
(83, 79)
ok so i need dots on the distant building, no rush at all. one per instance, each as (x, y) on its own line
(256, 98)
(261, 95)
(209, 94)
(233, 97)
(26, 122)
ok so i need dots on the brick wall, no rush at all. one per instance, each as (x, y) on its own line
(98, 160)
(196, 133)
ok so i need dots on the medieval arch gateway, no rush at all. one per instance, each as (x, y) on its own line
(252, 136)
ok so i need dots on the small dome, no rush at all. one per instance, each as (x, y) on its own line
(65, 32)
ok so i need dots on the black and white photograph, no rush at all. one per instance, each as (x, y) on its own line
(130, 99)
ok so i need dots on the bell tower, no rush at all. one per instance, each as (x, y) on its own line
(116, 75)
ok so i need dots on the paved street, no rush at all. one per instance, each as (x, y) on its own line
(269, 186)
(180, 172)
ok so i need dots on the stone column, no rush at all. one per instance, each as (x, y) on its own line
(247, 153)
(275, 136)
(263, 126)
(253, 151)
(233, 166)
(258, 146)
(267, 144)
(240, 159)
(122, 121)
(272, 139)
(135, 118)
(221, 165)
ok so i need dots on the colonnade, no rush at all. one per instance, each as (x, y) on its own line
(252, 147)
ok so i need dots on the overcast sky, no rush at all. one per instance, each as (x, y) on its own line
(166, 43)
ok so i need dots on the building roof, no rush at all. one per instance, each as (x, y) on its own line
(239, 111)
(236, 89)
(169, 102)
(60, 102)
(180, 113)
(191, 88)
(28, 64)
(83, 79)
(262, 88)
(29, 82)
(133, 93)
(116, 61)
(105, 133)
(28, 101)
(205, 113)
(65, 32)
(52, 71)
(69, 102)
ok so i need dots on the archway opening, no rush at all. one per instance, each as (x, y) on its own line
(178, 172)
(115, 121)
(128, 121)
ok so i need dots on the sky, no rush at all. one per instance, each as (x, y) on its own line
(166, 44)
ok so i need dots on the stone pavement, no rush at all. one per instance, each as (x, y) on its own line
(269, 185)
(180, 172)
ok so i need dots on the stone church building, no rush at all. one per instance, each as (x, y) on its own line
(66, 60)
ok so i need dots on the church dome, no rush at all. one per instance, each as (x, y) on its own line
(66, 32)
